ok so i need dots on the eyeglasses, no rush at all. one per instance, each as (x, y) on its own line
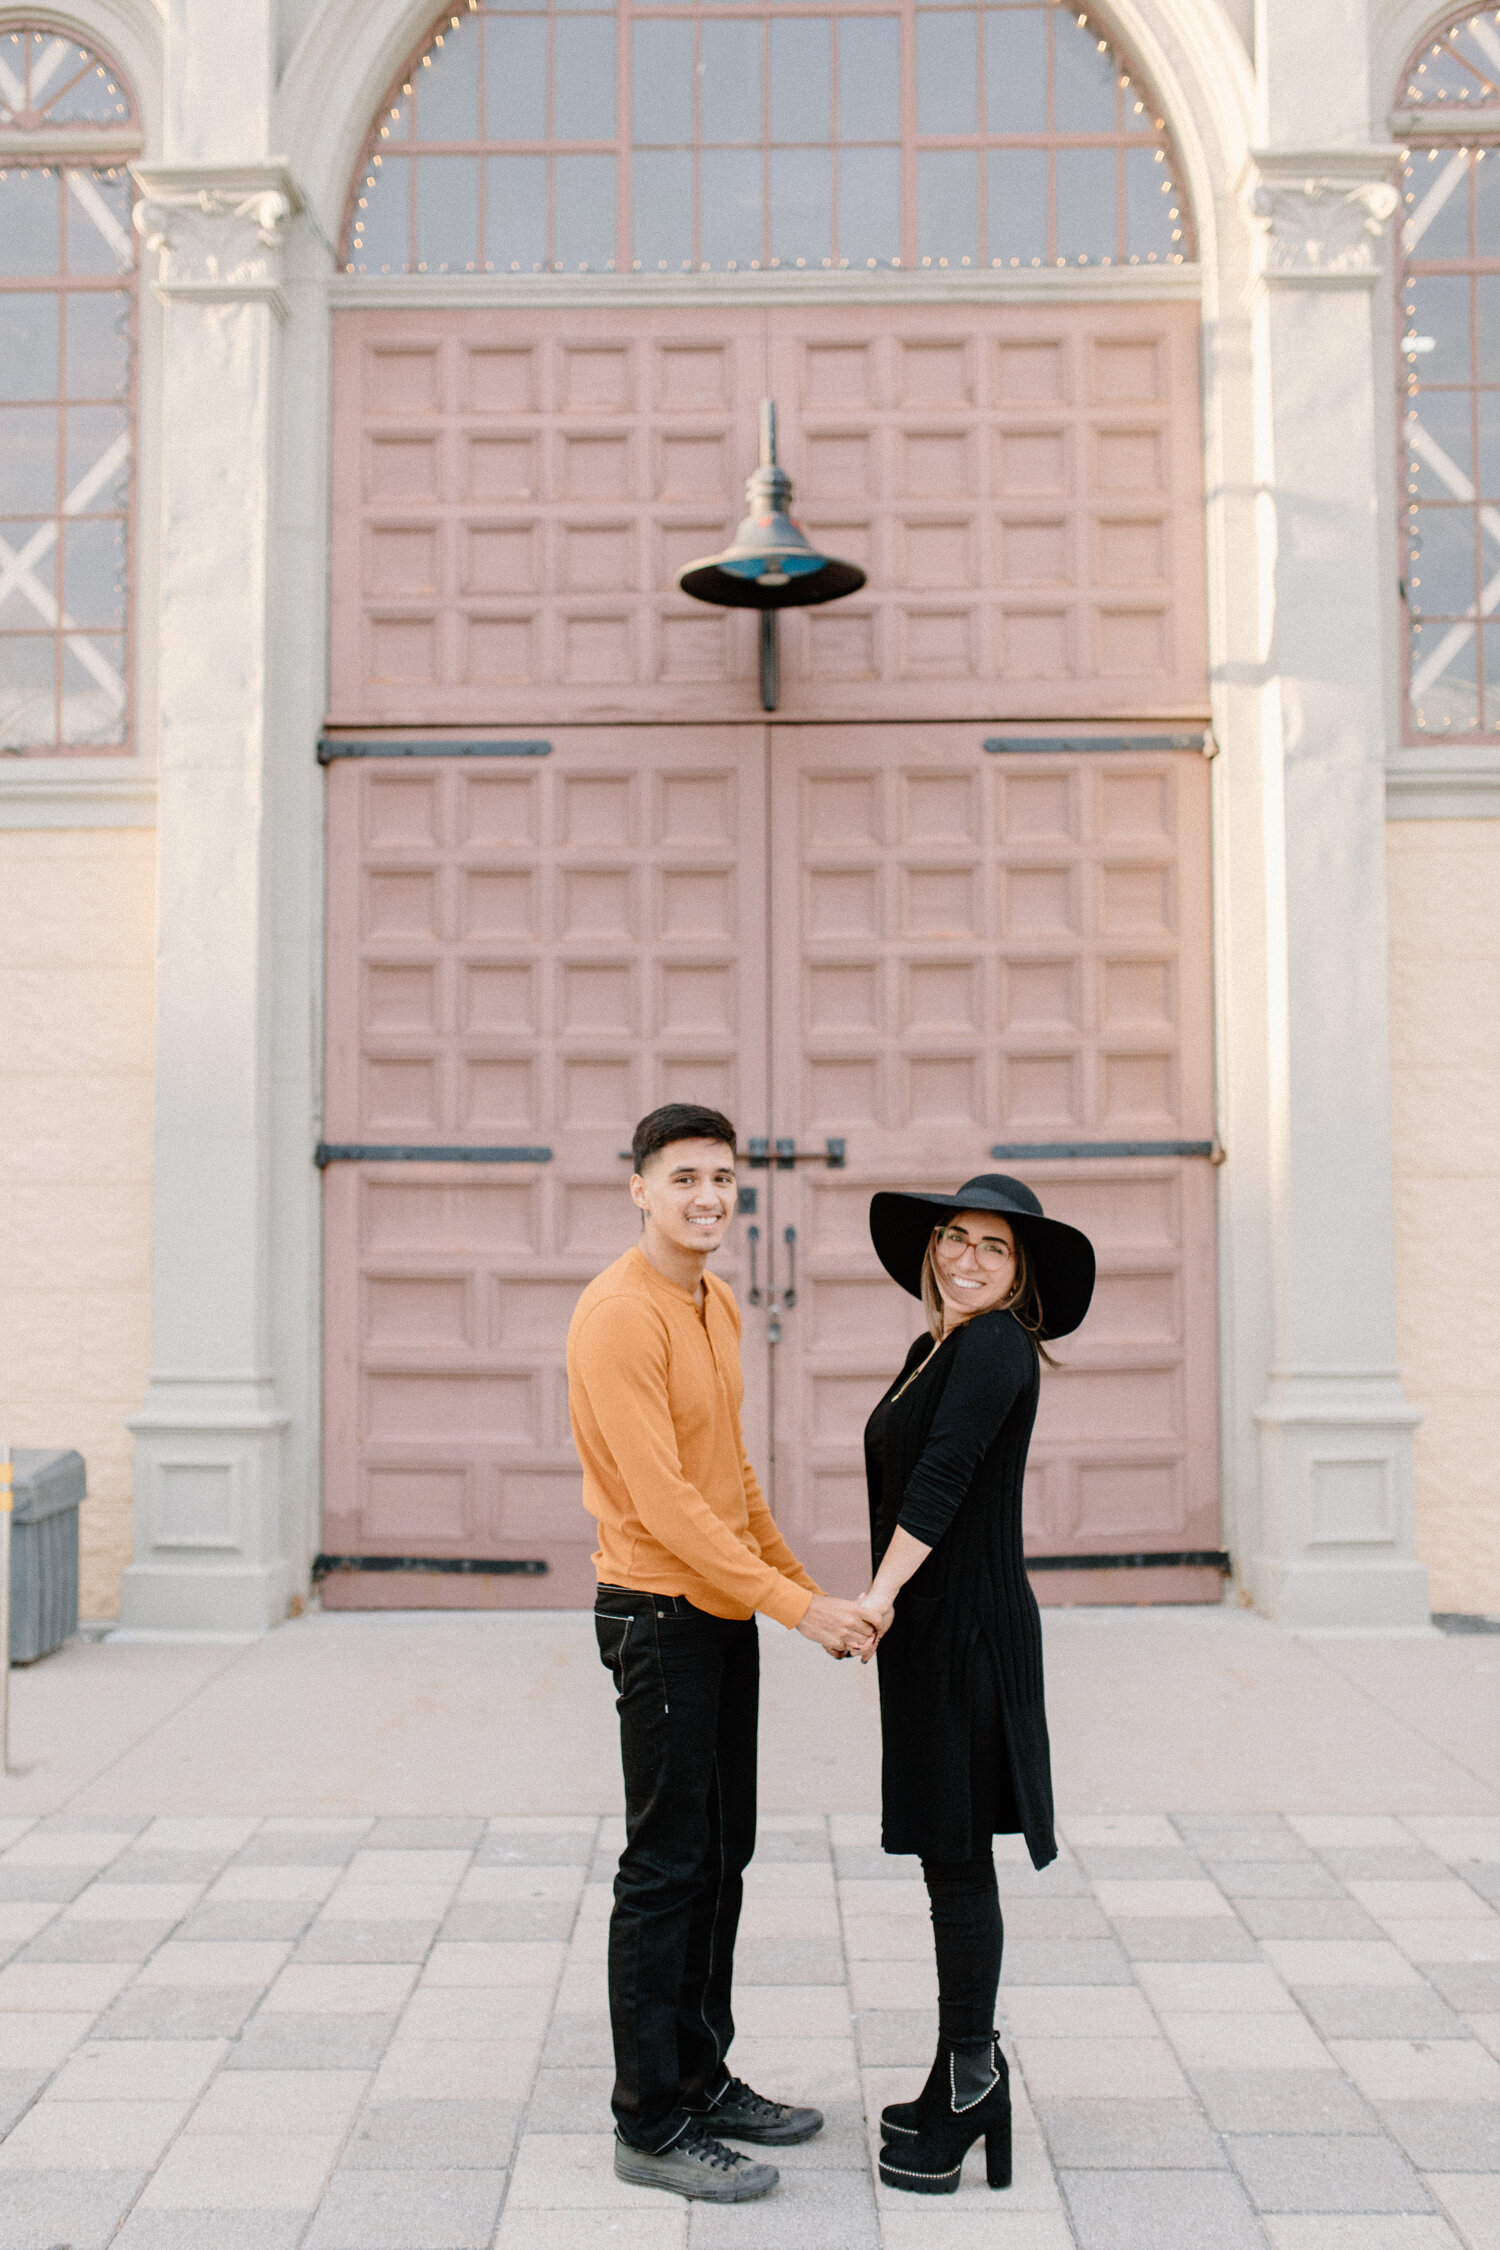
(992, 1253)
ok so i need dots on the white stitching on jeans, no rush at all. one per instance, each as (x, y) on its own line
(713, 1927)
(661, 1671)
(616, 1667)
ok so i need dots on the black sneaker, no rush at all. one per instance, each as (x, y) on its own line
(695, 2165)
(740, 2114)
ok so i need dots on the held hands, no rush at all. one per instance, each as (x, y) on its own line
(839, 1626)
(878, 1614)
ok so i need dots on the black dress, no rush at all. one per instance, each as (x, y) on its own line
(963, 1726)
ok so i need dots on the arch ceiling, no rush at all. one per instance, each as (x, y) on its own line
(653, 136)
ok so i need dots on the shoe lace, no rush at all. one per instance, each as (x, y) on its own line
(742, 2097)
(696, 2143)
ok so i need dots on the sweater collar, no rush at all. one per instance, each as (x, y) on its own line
(672, 1289)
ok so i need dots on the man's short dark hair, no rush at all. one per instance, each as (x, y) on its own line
(678, 1121)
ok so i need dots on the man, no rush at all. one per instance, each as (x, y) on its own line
(687, 1554)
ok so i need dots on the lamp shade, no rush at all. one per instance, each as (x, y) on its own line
(771, 563)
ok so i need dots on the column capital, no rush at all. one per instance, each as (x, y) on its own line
(218, 229)
(1323, 212)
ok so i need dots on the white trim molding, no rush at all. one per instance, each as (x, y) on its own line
(1460, 126)
(888, 286)
(76, 793)
(1450, 781)
(76, 144)
(218, 230)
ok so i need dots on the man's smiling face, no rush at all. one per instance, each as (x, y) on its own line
(688, 1192)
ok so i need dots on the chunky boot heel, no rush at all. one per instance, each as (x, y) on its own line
(964, 2100)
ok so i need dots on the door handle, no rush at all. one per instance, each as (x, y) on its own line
(752, 1236)
(789, 1294)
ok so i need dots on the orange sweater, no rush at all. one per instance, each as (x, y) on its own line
(654, 1392)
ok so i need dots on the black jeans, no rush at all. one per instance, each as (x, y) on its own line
(688, 1694)
(969, 1936)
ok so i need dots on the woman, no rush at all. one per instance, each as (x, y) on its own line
(965, 1754)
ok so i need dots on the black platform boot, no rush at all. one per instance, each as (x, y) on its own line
(903, 2119)
(967, 2094)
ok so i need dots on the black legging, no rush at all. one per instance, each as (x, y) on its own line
(969, 1936)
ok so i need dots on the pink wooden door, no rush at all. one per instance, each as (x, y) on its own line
(977, 957)
(525, 953)
(963, 950)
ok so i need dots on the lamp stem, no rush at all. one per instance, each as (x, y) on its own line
(768, 433)
(770, 658)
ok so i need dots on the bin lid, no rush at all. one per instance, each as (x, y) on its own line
(46, 1482)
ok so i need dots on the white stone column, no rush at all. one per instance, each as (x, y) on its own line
(209, 1546)
(1336, 1538)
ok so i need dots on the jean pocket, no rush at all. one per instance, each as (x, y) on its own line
(613, 1635)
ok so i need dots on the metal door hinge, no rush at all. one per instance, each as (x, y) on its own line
(1066, 745)
(331, 748)
(1197, 1558)
(381, 1152)
(451, 1566)
(1073, 1151)
(762, 1154)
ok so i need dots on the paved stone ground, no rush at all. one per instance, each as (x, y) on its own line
(352, 2033)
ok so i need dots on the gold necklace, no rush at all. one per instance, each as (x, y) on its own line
(916, 1371)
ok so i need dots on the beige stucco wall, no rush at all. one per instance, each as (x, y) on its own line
(77, 914)
(1445, 1061)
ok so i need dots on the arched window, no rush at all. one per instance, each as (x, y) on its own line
(1449, 117)
(661, 136)
(67, 305)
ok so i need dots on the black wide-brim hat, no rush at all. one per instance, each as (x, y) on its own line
(1061, 1259)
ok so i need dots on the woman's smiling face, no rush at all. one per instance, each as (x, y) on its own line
(974, 1258)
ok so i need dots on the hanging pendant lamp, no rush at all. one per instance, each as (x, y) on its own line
(771, 563)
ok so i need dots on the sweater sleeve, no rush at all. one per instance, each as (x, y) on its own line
(992, 1367)
(620, 1358)
(774, 1549)
(764, 1529)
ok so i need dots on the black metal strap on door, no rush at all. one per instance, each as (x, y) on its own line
(1038, 1151)
(329, 749)
(1055, 745)
(786, 1156)
(380, 1152)
(451, 1566)
(1192, 1558)
(760, 1154)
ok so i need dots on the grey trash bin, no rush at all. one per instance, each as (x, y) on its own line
(44, 1551)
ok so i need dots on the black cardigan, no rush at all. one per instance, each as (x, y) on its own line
(946, 1461)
